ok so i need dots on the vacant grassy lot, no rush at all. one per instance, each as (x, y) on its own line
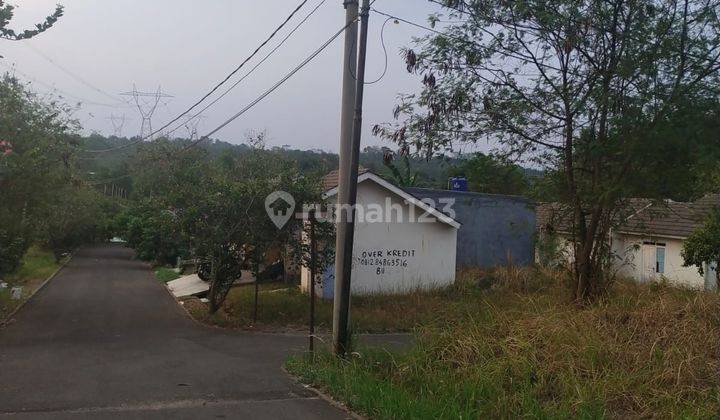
(283, 307)
(38, 265)
(521, 350)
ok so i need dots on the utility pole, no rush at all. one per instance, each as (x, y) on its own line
(313, 263)
(351, 130)
(341, 298)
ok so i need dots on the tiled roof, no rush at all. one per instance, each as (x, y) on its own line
(330, 180)
(558, 216)
(553, 217)
(672, 218)
(643, 216)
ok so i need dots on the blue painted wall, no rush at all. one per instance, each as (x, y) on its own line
(492, 226)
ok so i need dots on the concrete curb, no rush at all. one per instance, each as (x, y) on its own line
(325, 397)
(183, 309)
(8, 319)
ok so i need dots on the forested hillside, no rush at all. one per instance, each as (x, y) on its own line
(486, 173)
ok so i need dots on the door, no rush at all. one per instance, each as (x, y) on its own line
(653, 260)
(649, 262)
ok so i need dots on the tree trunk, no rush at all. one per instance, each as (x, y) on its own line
(213, 292)
(256, 272)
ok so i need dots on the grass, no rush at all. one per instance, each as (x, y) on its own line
(284, 307)
(166, 274)
(519, 349)
(281, 307)
(37, 265)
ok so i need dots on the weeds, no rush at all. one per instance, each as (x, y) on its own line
(519, 349)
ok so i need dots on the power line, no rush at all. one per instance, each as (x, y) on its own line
(147, 108)
(466, 41)
(70, 73)
(54, 88)
(259, 98)
(271, 90)
(384, 47)
(215, 88)
(252, 70)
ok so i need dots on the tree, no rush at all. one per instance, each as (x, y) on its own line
(37, 160)
(263, 172)
(491, 175)
(581, 87)
(404, 177)
(217, 206)
(6, 15)
(73, 216)
(703, 246)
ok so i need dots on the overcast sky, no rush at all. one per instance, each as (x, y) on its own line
(187, 46)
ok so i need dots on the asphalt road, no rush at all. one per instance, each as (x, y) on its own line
(104, 340)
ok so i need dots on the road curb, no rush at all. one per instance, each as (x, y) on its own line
(323, 396)
(9, 317)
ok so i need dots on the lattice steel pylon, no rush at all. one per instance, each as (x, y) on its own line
(191, 125)
(147, 103)
(118, 123)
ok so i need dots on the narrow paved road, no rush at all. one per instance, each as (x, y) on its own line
(104, 340)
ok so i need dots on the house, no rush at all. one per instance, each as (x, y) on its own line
(648, 240)
(401, 243)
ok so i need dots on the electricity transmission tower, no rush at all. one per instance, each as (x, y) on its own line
(118, 123)
(147, 103)
(191, 125)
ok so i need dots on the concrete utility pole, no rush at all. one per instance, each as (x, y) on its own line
(351, 129)
(341, 301)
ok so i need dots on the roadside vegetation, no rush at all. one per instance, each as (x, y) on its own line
(166, 274)
(284, 307)
(511, 344)
(36, 266)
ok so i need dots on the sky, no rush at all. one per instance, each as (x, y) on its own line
(100, 49)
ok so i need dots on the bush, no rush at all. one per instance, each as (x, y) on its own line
(152, 232)
(13, 246)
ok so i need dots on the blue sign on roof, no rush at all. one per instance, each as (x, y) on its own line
(458, 183)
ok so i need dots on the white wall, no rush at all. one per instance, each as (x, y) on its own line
(630, 260)
(635, 264)
(399, 256)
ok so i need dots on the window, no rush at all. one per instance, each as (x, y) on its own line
(660, 259)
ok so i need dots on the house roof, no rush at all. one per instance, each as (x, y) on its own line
(558, 216)
(330, 180)
(368, 175)
(641, 216)
(672, 218)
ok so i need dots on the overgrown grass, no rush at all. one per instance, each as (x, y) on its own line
(280, 307)
(520, 349)
(284, 307)
(37, 265)
(166, 274)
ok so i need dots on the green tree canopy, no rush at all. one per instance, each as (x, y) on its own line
(6, 15)
(581, 87)
(492, 175)
(703, 246)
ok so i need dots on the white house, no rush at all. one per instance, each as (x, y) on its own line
(401, 243)
(648, 242)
